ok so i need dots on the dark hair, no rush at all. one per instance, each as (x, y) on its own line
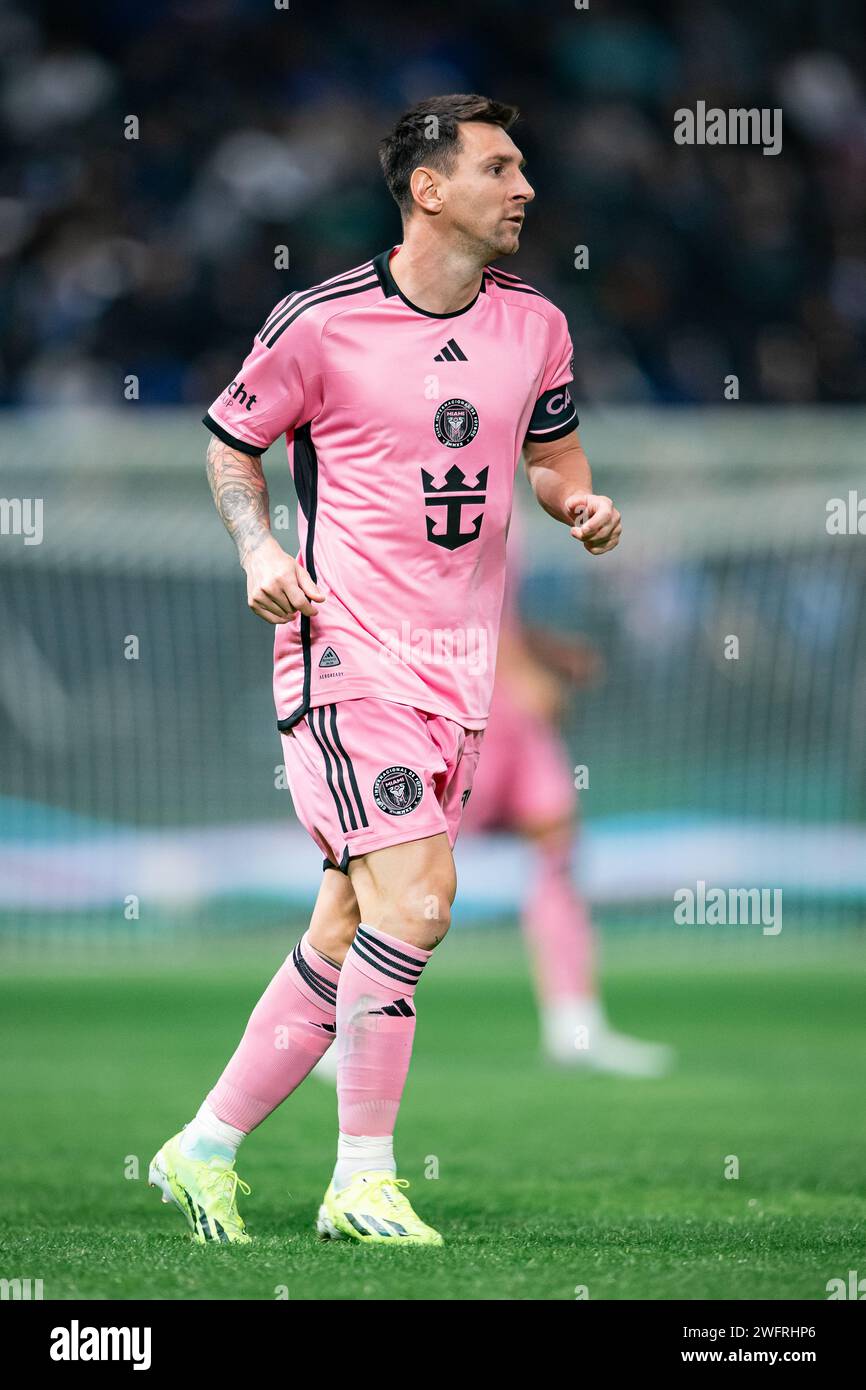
(411, 143)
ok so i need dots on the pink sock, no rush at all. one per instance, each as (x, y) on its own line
(375, 1029)
(291, 1027)
(556, 925)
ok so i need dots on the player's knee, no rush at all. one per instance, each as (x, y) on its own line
(421, 912)
(334, 936)
(428, 914)
(408, 892)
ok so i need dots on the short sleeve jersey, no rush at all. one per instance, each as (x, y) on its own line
(404, 431)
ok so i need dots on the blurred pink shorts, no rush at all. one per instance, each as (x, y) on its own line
(524, 778)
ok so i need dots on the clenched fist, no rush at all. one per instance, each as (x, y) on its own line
(597, 523)
(278, 587)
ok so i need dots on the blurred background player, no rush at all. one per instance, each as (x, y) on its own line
(525, 784)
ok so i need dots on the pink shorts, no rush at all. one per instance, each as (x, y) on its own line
(525, 777)
(367, 773)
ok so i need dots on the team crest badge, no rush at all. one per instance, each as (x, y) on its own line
(397, 790)
(456, 423)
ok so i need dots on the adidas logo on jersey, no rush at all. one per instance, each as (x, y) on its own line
(451, 352)
(329, 657)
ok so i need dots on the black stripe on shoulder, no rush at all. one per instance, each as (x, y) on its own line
(518, 286)
(233, 443)
(277, 309)
(343, 278)
(508, 274)
(344, 275)
(290, 312)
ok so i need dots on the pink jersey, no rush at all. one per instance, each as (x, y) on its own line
(404, 431)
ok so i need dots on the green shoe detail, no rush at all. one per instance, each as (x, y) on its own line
(373, 1211)
(204, 1191)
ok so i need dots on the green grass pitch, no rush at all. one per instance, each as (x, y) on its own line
(547, 1181)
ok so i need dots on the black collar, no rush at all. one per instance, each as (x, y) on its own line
(390, 287)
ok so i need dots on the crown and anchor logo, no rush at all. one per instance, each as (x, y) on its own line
(454, 494)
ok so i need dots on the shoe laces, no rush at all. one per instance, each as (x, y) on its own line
(378, 1185)
(224, 1183)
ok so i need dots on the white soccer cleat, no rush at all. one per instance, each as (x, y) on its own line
(577, 1035)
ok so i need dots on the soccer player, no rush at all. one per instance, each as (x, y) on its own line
(406, 388)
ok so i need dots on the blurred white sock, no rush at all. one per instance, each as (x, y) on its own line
(572, 1025)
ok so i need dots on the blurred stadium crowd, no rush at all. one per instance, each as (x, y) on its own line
(258, 128)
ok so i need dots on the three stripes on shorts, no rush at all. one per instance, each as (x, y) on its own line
(338, 764)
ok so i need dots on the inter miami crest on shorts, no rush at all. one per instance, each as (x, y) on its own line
(397, 790)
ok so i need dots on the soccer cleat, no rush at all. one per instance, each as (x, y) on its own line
(616, 1054)
(205, 1191)
(576, 1034)
(373, 1211)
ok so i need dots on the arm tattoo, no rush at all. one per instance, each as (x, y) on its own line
(237, 482)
